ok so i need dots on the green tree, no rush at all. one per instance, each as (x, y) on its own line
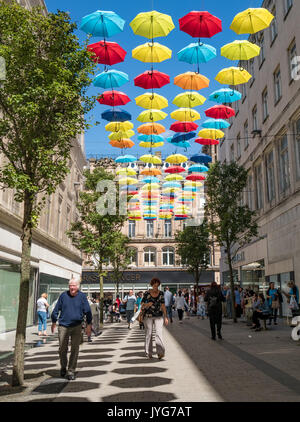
(193, 247)
(120, 258)
(97, 230)
(43, 101)
(232, 223)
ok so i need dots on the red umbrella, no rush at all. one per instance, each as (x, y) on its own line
(107, 52)
(183, 126)
(195, 177)
(200, 24)
(220, 112)
(175, 169)
(202, 141)
(152, 79)
(113, 98)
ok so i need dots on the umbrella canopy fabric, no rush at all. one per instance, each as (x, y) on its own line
(121, 134)
(171, 185)
(191, 81)
(179, 144)
(190, 183)
(126, 159)
(169, 190)
(151, 100)
(151, 115)
(151, 53)
(102, 24)
(127, 181)
(107, 52)
(152, 24)
(185, 114)
(151, 138)
(151, 179)
(211, 134)
(113, 98)
(151, 172)
(203, 141)
(200, 24)
(126, 172)
(196, 53)
(225, 95)
(183, 126)
(189, 99)
(198, 168)
(233, 76)
(151, 129)
(173, 177)
(151, 144)
(150, 159)
(176, 159)
(117, 126)
(251, 21)
(152, 79)
(180, 137)
(220, 112)
(151, 186)
(116, 115)
(195, 177)
(110, 79)
(215, 124)
(201, 158)
(240, 50)
(175, 170)
(122, 143)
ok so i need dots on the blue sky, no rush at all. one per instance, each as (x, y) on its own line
(96, 140)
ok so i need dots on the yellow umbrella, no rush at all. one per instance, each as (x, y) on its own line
(170, 190)
(150, 159)
(191, 80)
(176, 159)
(211, 134)
(240, 50)
(152, 24)
(185, 115)
(151, 115)
(173, 177)
(152, 53)
(126, 172)
(116, 126)
(116, 136)
(151, 186)
(189, 99)
(151, 100)
(251, 21)
(233, 76)
(194, 184)
(151, 144)
(127, 181)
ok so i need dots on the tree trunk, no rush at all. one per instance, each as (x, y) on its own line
(18, 366)
(231, 285)
(101, 297)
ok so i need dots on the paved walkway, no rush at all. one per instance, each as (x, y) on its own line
(246, 366)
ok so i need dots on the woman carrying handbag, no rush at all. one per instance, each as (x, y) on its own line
(273, 301)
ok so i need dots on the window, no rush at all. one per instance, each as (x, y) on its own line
(261, 58)
(246, 135)
(232, 153)
(254, 118)
(251, 71)
(277, 85)
(265, 104)
(238, 146)
(297, 149)
(249, 192)
(168, 256)
(149, 257)
(273, 26)
(287, 6)
(258, 187)
(292, 56)
(150, 228)
(134, 256)
(168, 228)
(270, 175)
(131, 228)
(284, 176)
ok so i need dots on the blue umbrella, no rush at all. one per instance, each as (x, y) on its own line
(184, 144)
(126, 159)
(198, 168)
(151, 179)
(180, 137)
(215, 124)
(225, 95)
(149, 218)
(166, 207)
(116, 115)
(190, 189)
(196, 53)
(129, 188)
(201, 158)
(171, 185)
(151, 138)
(110, 79)
(102, 24)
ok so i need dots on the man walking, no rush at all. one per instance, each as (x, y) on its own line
(70, 309)
(130, 301)
(168, 303)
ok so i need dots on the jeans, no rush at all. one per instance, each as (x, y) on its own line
(180, 314)
(215, 318)
(169, 312)
(64, 333)
(42, 320)
(129, 315)
(149, 324)
(229, 308)
(274, 314)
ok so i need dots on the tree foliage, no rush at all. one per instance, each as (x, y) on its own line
(120, 258)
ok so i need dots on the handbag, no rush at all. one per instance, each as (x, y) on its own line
(141, 316)
(275, 304)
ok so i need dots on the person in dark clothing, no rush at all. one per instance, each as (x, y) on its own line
(214, 299)
(71, 308)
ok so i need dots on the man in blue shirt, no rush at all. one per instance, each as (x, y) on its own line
(168, 303)
(130, 301)
(70, 309)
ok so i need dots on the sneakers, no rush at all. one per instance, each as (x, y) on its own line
(71, 377)
(63, 373)
(220, 336)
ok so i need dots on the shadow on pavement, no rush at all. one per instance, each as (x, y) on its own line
(42, 358)
(78, 387)
(140, 396)
(91, 357)
(60, 399)
(133, 354)
(139, 382)
(136, 361)
(139, 370)
(92, 364)
(37, 367)
(98, 350)
(90, 373)
(7, 390)
(133, 348)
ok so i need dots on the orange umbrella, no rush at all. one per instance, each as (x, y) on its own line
(151, 172)
(122, 143)
(191, 80)
(151, 129)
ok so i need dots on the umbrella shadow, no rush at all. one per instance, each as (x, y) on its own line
(92, 364)
(141, 382)
(139, 370)
(91, 357)
(81, 386)
(133, 354)
(140, 396)
(98, 350)
(136, 361)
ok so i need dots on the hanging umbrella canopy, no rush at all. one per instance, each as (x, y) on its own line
(150, 217)
(102, 24)
(201, 158)
(127, 171)
(113, 98)
(107, 52)
(240, 50)
(151, 138)
(122, 143)
(190, 189)
(152, 24)
(185, 114)
(151, 144)
(118, 126)
(178, 144)
(203, 141)
(200, 24)
(151, 100)
(127, 181)
(153, 159)
(171, 185)
(191, 81)
(150, 179)
(175, 170)
(126, 159)
(196, 53)
(190, 183)
(116, 136)
(211, 134)
(166, 207)
(110, 79)
(233, 76)
(151, 115)
(151, 53)
(198, 168)
(180, 137)
(152, 79)
(151, 186)
(215, 124)
(150, 195)
(173, 177)
(165, 216)
(151, 129)
(116, 115)
(220, 112)
(151, 172)
(251, 21)
(195, 177)
(225, 95)
(189, 99)
(183, 126)
(169, 190)
(176, 159)
(150, 202)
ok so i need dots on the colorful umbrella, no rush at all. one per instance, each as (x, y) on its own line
(169, 190)
(110, 79)
(196, 53)
(152, 79)
(189, 99)
(201, 158)
(122, 143)
(151, 100)
(151, 138)
(180, 137)
(127, 181)
(183, 126)
(165, 216)
(251, 21)
(185, 114)
(117, 136)
(153, 159)
(195, 177)
(151, 129)
(189, 189)
(220, 112)
(203, 141)
(150, 179)
(107, 52)
(215, 124)
(113, 98)
(233, 76)
(173, 177)
(151, 186)
(200, 24)
(176, 159)
(175, 170)
(166, 206)
(116, 115)
(152, 24)
(151, 115)
(191, 80)
(117, 126)
(211, 134)
(179, 144)
(240, 50)
(151, 144)
(151, 172)
(197, 168)
(193, 184)
(126, 159)
(127, 171)
(102, 24)
(171, 185)
(151, 53)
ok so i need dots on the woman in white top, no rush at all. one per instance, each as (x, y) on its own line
(42, 307)
(180, 305)
(201, 307)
